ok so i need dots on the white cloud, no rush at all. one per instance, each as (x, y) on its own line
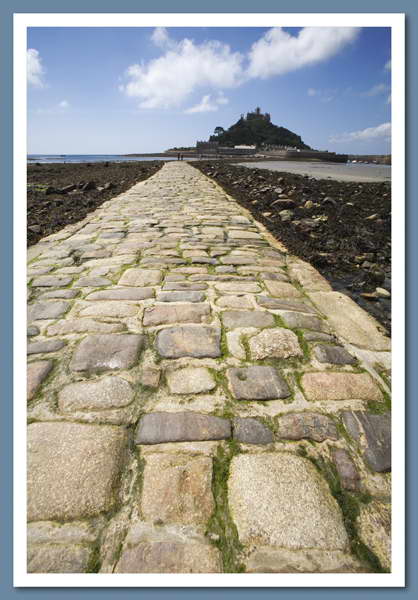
(160, 37)
(35, 70)
(63, 104)
(388, 65)
(205, 105)
(380, 88)
(169, 80)
(279, 52)
(187, 66)
(383, 130)
(312, 92)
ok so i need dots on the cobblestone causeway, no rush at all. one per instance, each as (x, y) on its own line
(199, 400)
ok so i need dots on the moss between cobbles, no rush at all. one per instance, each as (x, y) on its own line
(221, 523)
(221, 381)
(135, 494)
(304, 345)
(350, 505)
(224, 345)
(380, 408)
(94, 564)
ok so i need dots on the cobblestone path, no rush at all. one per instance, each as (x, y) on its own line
(199, 401)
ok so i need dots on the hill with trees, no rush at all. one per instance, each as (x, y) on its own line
(257, 129)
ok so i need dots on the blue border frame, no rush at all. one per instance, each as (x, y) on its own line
(7, 8)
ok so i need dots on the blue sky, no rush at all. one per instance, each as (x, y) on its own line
(121, 90)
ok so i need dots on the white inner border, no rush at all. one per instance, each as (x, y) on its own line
(397, 23)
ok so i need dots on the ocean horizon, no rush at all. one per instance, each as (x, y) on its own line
(80, 158)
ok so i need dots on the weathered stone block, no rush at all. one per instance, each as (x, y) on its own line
(141, 277)
(196, 341)
(257, 383)
(73, 469)
(59, 558)
(191, 380)
(47, 310)
(247, 318)
(45, 346)
(282, 289)
(177, 489)
(340, 386)
(122, 294)
(36, 373)
(278, 343)
(176, 313)
(107, 352)
(307, 425)
(108, 392)
(334, 355)
(158, 428)
(290, 488)
(252, 431)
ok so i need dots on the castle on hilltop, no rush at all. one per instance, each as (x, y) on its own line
(257, 114)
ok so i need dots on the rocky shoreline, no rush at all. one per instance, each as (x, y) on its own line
(60, 194)
(342, 228)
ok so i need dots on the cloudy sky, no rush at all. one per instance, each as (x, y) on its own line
(122, 90)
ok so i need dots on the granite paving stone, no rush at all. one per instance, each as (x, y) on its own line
(51, 281)
(247, 318)
(59, 558)
(180, 297)
(276, 304)
(169, 557)
(196, 341)
(47, 310)
(191, 380)
(36, 373)
(240, 302)
(120, 294)
(307, 425)
(278, 343)
(179, 286)
(160, 427)
(282, 289)
(67, 294)
(32, 330)
(238, 287)
(73, 469)
(107, 352)
(141, 277)
(257, 383)
(290, 488)
(183, 491)
(108, 309)
(377, 432)
(346, 469)
(340, 386)
(108, 392)
(84, 325)
(176, 313)
(334, 355)
(251, 431)
(45, 346)
(297, 320)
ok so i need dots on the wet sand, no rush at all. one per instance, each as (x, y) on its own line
(322, 170)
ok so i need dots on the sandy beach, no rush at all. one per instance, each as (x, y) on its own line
(323, 170)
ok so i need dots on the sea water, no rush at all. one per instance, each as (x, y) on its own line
(88, 158)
